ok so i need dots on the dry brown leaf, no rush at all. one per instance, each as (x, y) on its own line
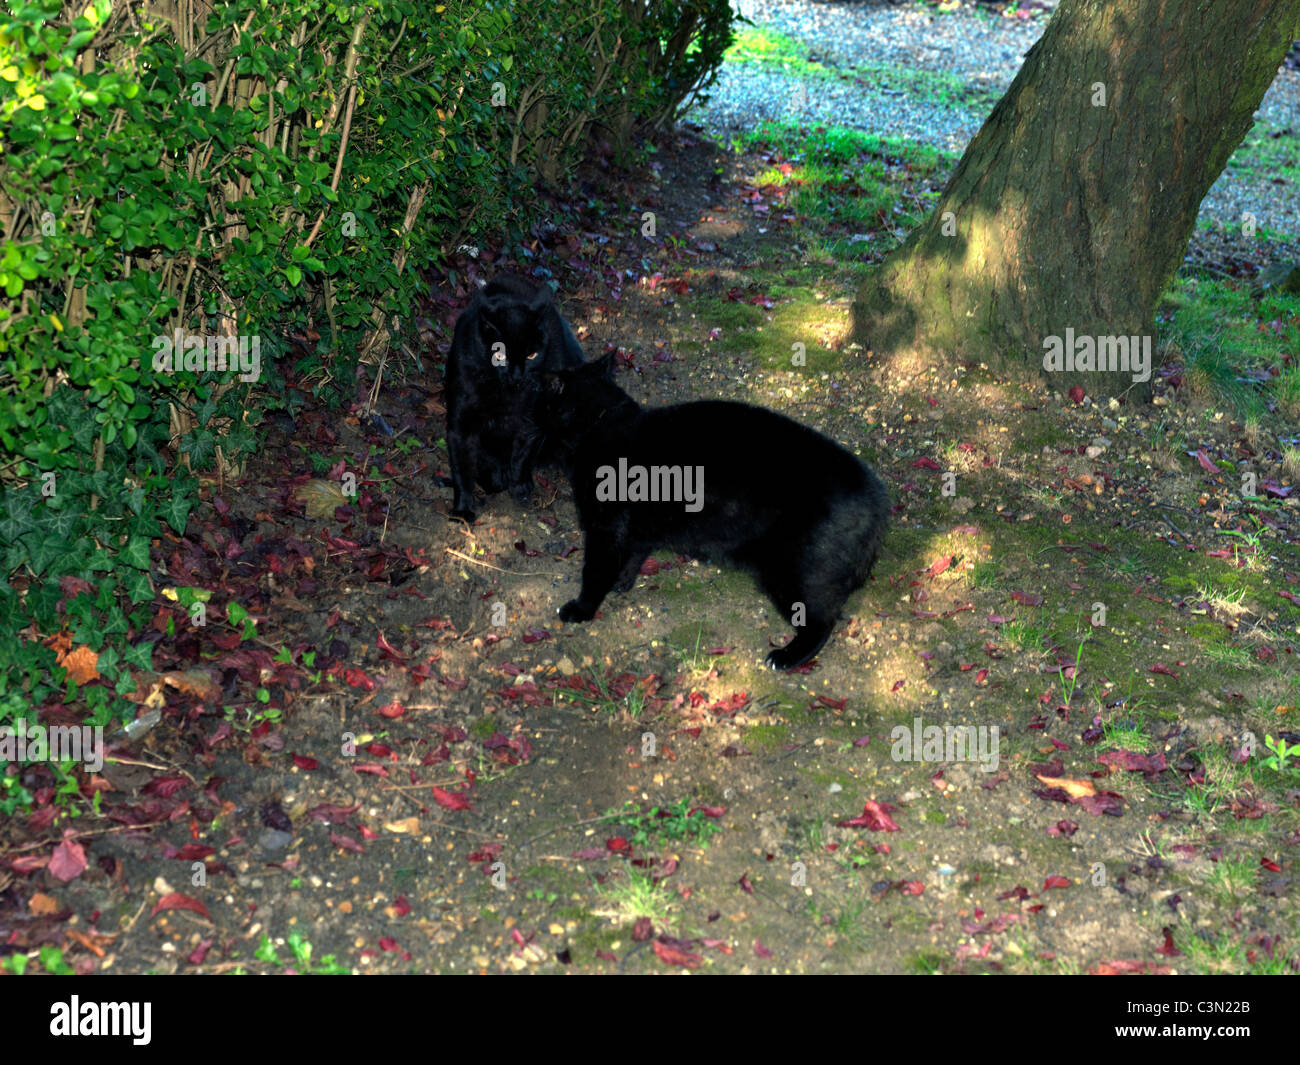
(42, 905)
(1077, 788)
(197, 682)
(319, 498)
(80, 664)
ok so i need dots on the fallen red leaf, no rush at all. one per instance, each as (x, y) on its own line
(673, 956)
(875, 816)
(177, 901)
(68, 859)
(451, 800)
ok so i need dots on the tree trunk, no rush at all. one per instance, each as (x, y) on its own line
(1073, 205)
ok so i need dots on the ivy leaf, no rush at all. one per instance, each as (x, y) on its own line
(17, 518)
(115, 623)
(177, 512)
(201, 446)
(108, 662)
(136, 552)
(138, 587)
(139, 655)
(43, 551)
(52, 524)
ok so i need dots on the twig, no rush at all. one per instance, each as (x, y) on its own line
(152, 765)
(488, 565)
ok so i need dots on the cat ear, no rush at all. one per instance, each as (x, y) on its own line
(605, 366)
(543, 299)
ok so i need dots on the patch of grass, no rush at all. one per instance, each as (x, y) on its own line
(1124, 737)
(1227, 656)
(986, 574)
(855, 194)
(690, 653)
(1231, 879)
(846, 924)
(679, 823)
(627, 898)
(1225, 780)
(1026, 631)
(1222, 336)
(928, 962)
(603, 694)
(1291, 462)
(1268, 153)
(1287, 389)
(768, 48)
(799, 335)
(1247, 549)
(1227, 954)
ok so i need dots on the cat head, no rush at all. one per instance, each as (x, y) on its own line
(516, 332)
(573, 400)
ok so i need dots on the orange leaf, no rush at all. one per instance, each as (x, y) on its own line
(80, 664)
(1077, 788)
(196, 682)
(42, 905)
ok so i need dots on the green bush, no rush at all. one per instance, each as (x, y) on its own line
(298, 167)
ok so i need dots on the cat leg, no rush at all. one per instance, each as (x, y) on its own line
(523, 456)
(809, 603)
(602, 566)
(463, 450)
(627, 577)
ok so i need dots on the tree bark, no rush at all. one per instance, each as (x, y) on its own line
(1073, 205)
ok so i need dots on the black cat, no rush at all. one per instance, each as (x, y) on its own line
(510, 332)
(739, 482)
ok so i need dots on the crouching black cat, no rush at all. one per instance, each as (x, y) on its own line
(739, 482)
(508, 334)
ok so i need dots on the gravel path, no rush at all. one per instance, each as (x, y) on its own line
(981, 49)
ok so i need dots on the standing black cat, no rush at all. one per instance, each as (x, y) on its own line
(510, 332)
(739, 482)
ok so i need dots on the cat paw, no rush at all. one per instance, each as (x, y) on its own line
(575, 611)
(464, 515)
(782, 659)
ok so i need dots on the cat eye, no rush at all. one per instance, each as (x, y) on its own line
(532, 356)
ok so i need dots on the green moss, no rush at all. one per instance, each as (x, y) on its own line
(767, 737)
(927, 962)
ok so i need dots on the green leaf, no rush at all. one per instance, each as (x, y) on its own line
(136, 552)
